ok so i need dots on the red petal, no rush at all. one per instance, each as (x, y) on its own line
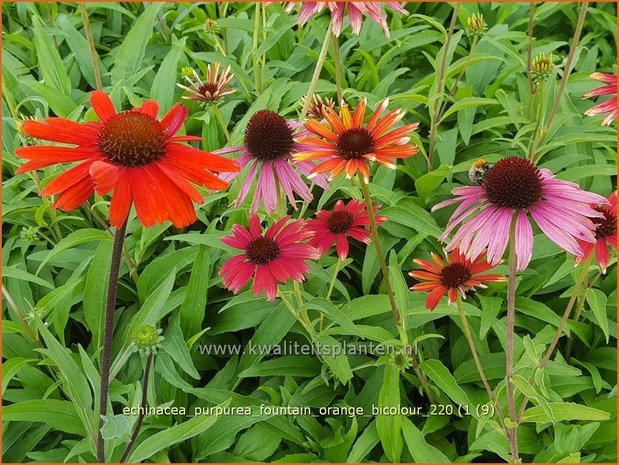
(62, 130)
(174, 119)
(75, 195)
(200, 159)
(150, 108)
(105, 176)
(121, 199)
(103, 106)
(69, 178)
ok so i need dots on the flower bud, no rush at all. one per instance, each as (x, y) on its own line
(542, 67)
(146, 338)
(475, 25)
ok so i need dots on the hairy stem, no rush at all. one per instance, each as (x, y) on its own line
(379, 250)
(480, 369)
(138, 425)
(511, 315)
(317, 69)
(566, 74)
(91, 45)
(338, 69)
(441, 86)
(108, 331)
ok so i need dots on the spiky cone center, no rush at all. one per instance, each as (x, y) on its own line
(262, 250)
(513, 182)
(607, 226)
(454, 275)
(132, 139)
(354, 143)
(210, 91)
(340, 222)
(268, 136)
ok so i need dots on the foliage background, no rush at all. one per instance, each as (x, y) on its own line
(55, 264)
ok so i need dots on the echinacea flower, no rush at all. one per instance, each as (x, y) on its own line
(515, 186)
(605, 233)
(356, 10)
(267, 149)
(345, 143)
(345, 220)
(211, 90)
(271, 258)
(610, 105)
(456, 274)
(132, 154)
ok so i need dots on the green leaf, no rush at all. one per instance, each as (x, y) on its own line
(364, 444)
(288, 365)
(468, 102)
(420, 450)
(597, 301)
(50, 64)
(490, 308)
(174, 435)
(565, 411)
(389, 427)
(174, 344)
(76, 238)
(11, 367)
(398, 283)
(412, 215)
(22, 275)
(427, 184)
(164, 84)
(439, 373)
(194, 304)
(59, 414)
(95, 290)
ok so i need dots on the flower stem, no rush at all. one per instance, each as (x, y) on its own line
(511, 316)
(319, 63)
(530, 56)
(568, 309)
(566, 73)
(440, 86)
(379, 249)
(338, 265)
(452, 90)
(138, 425)
(338, 69)
(110, 307)
(91, 45)
(222, 123)
(469, 338)
(577, 312)
(257, 71)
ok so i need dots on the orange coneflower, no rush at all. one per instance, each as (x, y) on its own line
(131, 153)
(344, 143)
(457, 274)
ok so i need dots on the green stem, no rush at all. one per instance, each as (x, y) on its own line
(317, 69)
(338, 69)
(578, 311)
(440, 86)
(539, 118)
(222, 123)
(566, 73)
(338, 265)
(255, 47)
(511, 316)
(530, 56)
(480, 369)
(91, 45)
(379, 250)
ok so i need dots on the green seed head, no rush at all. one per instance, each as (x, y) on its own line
(146, 338)
(401, 361)
(542, 67)
(475, 24)
(210, 26)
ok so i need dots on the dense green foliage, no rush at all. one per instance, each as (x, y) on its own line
(55, 264)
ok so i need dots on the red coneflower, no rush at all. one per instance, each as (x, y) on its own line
(334, 227)
(457, 274)
(605, 233)
(609, 106)
(344, 143)
(271, 258)
(132, 154)
(213, 89)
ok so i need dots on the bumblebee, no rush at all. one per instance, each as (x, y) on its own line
(478, 171)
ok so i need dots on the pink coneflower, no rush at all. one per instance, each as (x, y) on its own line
(457, 274)
(356, 10)
(268, 145)
(277, 256)
(214, 88)
(609, 106)
(605, 233)
(334, 227)
(514, 185)
(345, 143)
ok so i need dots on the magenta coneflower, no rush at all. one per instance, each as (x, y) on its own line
(356, 10)
(609, 106)
(515, 186)
(275, 257)
(268, 145)
(605, 233)
(458, 274)
(334, 227)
